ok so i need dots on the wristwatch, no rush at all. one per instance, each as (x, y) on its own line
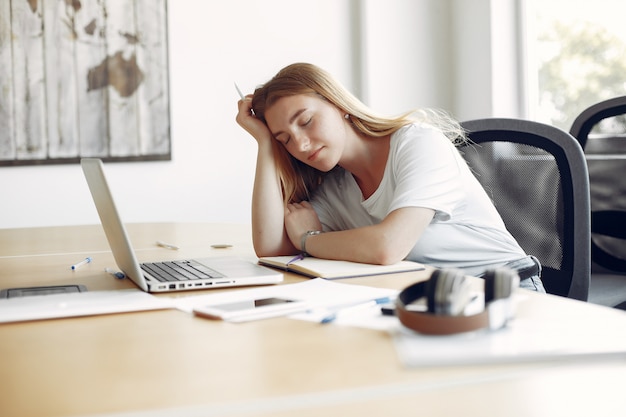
(305, 237)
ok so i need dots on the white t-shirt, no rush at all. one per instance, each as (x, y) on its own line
(424, 169)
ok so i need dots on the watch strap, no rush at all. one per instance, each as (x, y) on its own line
(305, 236)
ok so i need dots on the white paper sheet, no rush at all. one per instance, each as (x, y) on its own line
(42, 307)
(322, 296)
(522, 341)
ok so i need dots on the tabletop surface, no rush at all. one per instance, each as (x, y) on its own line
(169, 362)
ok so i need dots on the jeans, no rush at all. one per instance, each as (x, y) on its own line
(529, 269)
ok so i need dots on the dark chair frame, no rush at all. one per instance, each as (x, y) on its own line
(592, 115)
(607, 269)
(603, 222)
(573, 277)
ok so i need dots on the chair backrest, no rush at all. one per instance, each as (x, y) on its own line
(537, 178)
(591, 116)
(606, 160)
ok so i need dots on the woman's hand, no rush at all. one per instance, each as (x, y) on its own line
(251, 124)
(300, 218)
(269, 236)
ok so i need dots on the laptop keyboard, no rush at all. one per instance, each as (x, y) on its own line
(179, 271)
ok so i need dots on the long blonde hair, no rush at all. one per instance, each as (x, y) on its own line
(298, 180)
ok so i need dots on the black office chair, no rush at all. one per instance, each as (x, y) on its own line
(590, 117)
(537, 178)
(606, 159)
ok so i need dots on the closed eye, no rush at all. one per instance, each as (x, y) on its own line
(283, 138)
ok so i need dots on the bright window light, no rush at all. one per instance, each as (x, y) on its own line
(576, 56)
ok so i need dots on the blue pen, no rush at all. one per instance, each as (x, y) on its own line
(354, 307)
(298, 257)
(81, 263)
(116, 274)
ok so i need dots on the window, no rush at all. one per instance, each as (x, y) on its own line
(576, 57)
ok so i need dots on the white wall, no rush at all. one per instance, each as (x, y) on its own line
(488, 76)
(408, 55)
(405, 56)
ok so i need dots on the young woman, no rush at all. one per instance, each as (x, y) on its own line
(337, 181)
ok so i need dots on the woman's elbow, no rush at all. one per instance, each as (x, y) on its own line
(263, 252)
(387, 255)
(266, 249)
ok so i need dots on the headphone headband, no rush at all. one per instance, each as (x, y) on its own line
(447, 295)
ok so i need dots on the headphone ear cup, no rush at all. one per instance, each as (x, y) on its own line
(499, 286)
(429, 291)
(499, 283)
(447, 292)
(490, 290)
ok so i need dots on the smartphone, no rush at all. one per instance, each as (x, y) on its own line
(255, 309)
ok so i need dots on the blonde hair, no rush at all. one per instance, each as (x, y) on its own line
(299, 180)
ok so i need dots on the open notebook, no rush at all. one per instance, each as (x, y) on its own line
(330, 269)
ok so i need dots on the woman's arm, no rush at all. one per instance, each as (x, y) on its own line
(388, 242)
(268, 228)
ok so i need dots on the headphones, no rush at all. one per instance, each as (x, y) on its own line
(448, 293)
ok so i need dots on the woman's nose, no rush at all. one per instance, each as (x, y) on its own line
(303, 143)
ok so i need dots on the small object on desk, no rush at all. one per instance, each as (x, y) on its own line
(251, 309)
(81, 263)
(388, 310)
(166, 245)
(45, 290)
(354, 308)
(116, 274)
(221, 246)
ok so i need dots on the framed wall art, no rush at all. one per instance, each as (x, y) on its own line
(83, 78)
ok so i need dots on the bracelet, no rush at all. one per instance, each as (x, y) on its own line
(305, 237)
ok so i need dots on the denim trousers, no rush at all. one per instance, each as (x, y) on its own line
(529, 269)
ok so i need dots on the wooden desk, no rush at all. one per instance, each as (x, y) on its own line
(171, 363)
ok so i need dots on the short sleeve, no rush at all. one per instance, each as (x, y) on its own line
(427, 172)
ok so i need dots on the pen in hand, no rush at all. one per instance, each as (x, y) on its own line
(239, 91)
(242, 96)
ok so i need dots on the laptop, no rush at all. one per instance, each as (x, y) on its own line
(175, 275)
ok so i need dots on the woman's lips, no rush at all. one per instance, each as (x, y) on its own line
(314, 155)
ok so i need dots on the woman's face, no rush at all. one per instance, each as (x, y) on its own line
(311, 129)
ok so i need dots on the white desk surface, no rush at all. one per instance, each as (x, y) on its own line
(168, 362)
